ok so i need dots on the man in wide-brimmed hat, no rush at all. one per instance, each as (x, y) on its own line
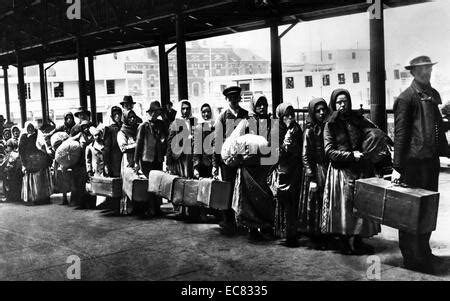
(128, 104)
(419, 141)
(83, 114)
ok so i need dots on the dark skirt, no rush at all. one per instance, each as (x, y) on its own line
(37, 186)
(338, 212)
(310, 207)
(253, 201)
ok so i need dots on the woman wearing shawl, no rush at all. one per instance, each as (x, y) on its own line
(315, 166)
(253, 201)
(343, 137)
(285, 180)
(126, 140)
(112, 153)
(6, 135)
(79, 195)
(203, 155)
(15, 130)
(180, 156)
(11, 168)
(37, 184)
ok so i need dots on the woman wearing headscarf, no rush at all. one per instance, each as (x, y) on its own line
(126, 140)
(15, 130)
(11, 168)
(343, 137)
(79, 195)
(180, 156)
(286, 178)
(253, 201)
(315, 166)
(203, 149)
(112, 153)
(37, 184)
(6, 135)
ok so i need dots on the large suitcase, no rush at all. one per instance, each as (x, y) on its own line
(185, 193)
(109, 187)
(215, 194)
(161, 183)
(412, 210)
(135, 186)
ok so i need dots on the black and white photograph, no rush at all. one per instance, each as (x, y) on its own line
(221, 146)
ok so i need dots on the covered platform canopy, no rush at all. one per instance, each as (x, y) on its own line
(40, 31)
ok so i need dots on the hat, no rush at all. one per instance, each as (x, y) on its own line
(127, 99)
(82, 109)
(154, 105)
(116, 108)
(232, 90)
(419, 61)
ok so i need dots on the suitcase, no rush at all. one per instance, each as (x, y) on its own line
(185, 193)
(215, 194)
(161, 183)
(412, 210)
(109, 187)
(135, 186)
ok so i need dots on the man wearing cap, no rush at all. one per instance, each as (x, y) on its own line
(151, 147)
(419, 141)
(112, 154)
(128, 104)
(231, 116)
(169, 113)
(82, 114)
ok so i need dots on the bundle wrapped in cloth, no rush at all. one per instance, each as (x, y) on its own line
(68, 153)
(57, 139)
(236, 149)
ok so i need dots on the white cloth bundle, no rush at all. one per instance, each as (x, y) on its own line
(236, 148)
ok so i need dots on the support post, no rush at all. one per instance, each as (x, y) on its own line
(164, 75)
(181, 58)
(81, 74)
(377, 67)
(276, 68)
(93, 96)
(44, 103)
(21, 90)
(6, 84)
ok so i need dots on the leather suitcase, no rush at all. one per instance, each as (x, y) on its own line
(109, 187)
(412, 210)
(185, 193)
(215, 194)
(135, 186)
(161, 183)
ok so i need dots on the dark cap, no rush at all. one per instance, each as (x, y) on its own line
(82, 110)
(232, 90)
(116, 108)
(419, 61)
(154, 106)
(127, 99)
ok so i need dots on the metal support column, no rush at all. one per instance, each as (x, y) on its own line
(377, 66)
(21, 90)
(44, 103)
(276, 68)
(181, 58)
(164, 75)
(81, 74)
(6, 84)
(93, 96)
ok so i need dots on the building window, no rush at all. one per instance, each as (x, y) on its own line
(196, 89)
(330, 56)
(152, 93)
(218, 66)
(353, 55)
(341, 79)
(195, 72)
(245, 87)
(289, 82)
(326, 80)
(368, 76)
(396, 74)
(355, 77)
(308, 81)
(58, 89)
(110, 87)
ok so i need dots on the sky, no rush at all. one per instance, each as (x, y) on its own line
(410, 31)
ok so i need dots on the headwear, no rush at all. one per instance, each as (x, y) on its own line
(82, 109)
(129, 130)
(201, 120)
(181, 103)
(419, 61)
(97, 130)
(232, 90)
(154, 105)
(335, 95)
(7, 130)
(311, 118)
(27, 124)
(15, 127)
(282, 108)
(127, 99)
(12, 143)
(256, 101)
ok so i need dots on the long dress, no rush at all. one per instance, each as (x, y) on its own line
(127, 145)
(12, 169)
(37, 185)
